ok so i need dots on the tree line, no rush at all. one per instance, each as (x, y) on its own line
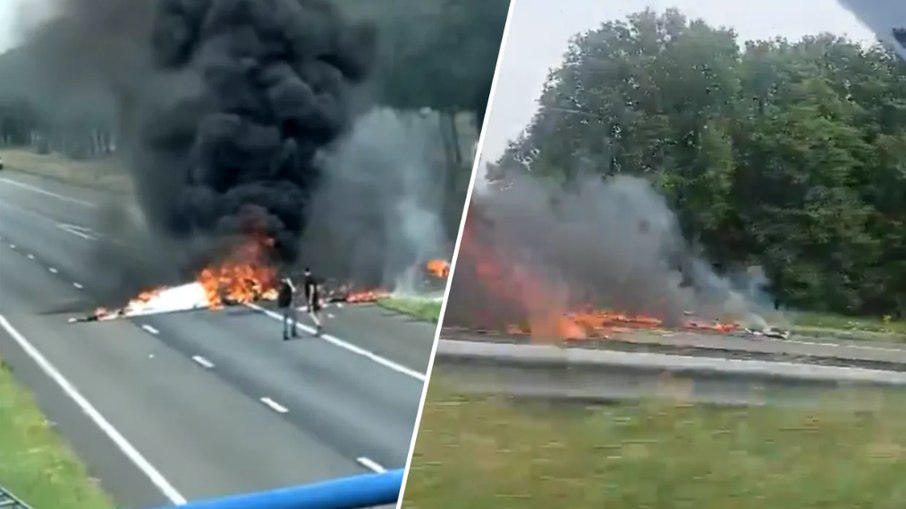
(786, 154)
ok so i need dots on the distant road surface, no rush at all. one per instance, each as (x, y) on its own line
(192, 405)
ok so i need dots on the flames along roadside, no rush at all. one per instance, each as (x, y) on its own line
(245, 276)
(546, 320)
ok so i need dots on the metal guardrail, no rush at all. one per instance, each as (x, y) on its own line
(9, 501)
(356, 492)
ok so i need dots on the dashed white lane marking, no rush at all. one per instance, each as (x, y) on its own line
(12, 246)
(30, 256)
(78, 286)
(276, 407)
(48, 193)
(76, 230)
(115, 436)
(387, 363)
(52, 270)
(202, 361)
(370, 464)
(150, 329)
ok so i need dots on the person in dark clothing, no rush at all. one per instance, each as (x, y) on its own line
(286, 300)
(313, 299)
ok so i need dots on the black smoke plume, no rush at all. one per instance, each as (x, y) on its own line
(225, 107)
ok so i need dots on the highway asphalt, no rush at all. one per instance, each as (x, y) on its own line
(197, 404)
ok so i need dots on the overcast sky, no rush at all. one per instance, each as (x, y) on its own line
(7, 16)
(539, 33)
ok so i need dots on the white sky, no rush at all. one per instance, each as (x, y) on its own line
(8, 10)
(539, 33)
(13, 13)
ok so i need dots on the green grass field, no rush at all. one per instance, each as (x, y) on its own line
(106, 174)
(818, 322)
(428, 310)
(485, 453)
(35, 464)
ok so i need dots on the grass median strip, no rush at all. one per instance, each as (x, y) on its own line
(885, 328)
(105, 174)
(486, 452)
(424, 309)
(36, 465)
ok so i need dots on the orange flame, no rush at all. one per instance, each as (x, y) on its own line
(546, 303)
(243, 277)
(439, 268)
(364, 296)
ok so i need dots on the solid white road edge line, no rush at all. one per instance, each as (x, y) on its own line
(48, 193)
(276, 407)
(202, 361)
(387, 363)
(118, 439)
(370, 464)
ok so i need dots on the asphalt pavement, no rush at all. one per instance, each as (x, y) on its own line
(197, 404)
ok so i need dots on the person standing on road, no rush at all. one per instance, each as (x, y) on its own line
(313, 298)
(286, 300)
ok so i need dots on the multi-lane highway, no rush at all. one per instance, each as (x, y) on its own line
(171, 407)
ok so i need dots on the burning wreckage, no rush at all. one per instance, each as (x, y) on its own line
(511, 282)
(244, 278)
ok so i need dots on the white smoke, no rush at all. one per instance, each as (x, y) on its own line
(381, 204)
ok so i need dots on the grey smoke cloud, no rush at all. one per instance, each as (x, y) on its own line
(611, 244)
(380, 207)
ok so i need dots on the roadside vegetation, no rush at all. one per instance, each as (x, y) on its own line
(105, 174)
(37, 466)
(423, 309)
(884, 328)
(489, 452)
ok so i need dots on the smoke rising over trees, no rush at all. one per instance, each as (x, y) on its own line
(790, 155)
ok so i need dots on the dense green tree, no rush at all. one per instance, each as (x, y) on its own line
(791, 155)
(441, 55)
